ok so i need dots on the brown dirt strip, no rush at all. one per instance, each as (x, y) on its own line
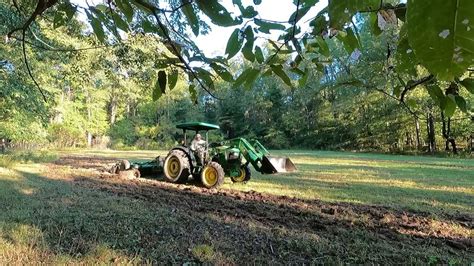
(281, 210)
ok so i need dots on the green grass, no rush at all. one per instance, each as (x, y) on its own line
(421, 183)
(9, 160)
(406, 182)
(49, 216)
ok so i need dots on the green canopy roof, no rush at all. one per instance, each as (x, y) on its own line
(196, 126)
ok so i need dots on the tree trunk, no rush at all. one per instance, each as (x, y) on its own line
(446, 130)
(471, 143)
(112, 107)
(417, 131)
(112, 110)
(89, 139)
(431, 133)
(89, 120)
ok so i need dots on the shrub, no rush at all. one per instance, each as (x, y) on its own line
(11, 159)
(62, 135)
(7, 161)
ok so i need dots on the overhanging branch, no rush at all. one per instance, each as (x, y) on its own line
(25, 58)
(154, 10)
(40, 8)
(413, 85)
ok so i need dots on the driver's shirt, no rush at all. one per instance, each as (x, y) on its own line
(198, 145)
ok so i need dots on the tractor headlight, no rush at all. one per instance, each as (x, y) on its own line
(234, 155)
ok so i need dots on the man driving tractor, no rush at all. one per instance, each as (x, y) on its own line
(198, 146)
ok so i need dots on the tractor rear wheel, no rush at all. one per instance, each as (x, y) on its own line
(176, 167)
(244, 175)
(212, 175)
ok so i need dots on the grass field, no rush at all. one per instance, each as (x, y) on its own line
(338, 208)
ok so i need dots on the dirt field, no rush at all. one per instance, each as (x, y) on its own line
(284, 225)
(158, 221)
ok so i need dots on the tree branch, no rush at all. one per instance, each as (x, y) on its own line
(287, 39)
(40, 8)
(25, 58)
(54, 49)
(154, 10)
(413, 85)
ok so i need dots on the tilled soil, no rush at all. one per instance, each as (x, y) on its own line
(392, 235)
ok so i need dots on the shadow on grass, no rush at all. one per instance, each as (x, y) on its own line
(158, 222)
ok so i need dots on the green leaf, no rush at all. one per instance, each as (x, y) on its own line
(450, 106)
(319, 24)
(397, 91)
(265, 26)
(411, 103)
(320, 67)
(160, 85)
(278, 70)
(97, 28)
(173, 79)
(251, 77)
(323, 47)
(349, 40)
(304, 79)
(205, 76)
(217, 13)
(248, 12)
(297, 71)
(147, 26)
(341, 11)
(121, 24)
(440, 34)
(259, 55)
(436, 94)
(193, 93)
(468, 83)
(234, 44)
(461, 102)
(374, 24)
(249, 72)
(143, 8)
(405, 57)
(401, 12)
(301, 12)
(126, 9)
(59, 20)
(247, 50)
(222, 72)
(190, 15)
(69, 9)
(257, 2)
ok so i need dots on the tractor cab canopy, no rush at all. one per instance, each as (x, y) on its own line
(197, 126)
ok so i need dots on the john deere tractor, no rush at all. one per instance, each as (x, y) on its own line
(216, 160)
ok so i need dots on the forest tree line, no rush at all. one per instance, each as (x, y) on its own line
(104, 97)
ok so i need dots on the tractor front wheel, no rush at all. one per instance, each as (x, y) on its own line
(244, 175)
(176, 167)
(212, 175)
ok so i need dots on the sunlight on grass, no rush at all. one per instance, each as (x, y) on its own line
(417, 182)
(45, 217)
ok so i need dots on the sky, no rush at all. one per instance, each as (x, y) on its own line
(214, 43)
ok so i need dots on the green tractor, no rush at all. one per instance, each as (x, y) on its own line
(213, 161)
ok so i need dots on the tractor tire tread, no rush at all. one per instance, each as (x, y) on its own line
(184, 163)
(220, 174)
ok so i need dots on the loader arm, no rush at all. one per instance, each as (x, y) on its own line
(260, 158)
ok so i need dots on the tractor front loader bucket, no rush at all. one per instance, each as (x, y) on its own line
(273, 164)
